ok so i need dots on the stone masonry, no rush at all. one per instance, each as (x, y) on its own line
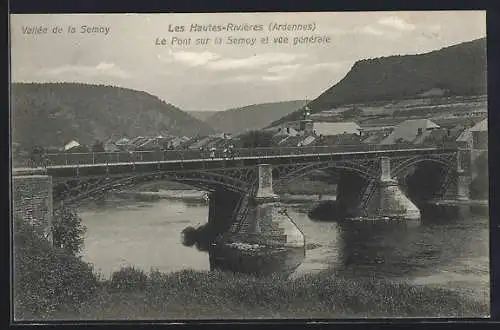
(32, 201)
(265, 222)
(388, 199)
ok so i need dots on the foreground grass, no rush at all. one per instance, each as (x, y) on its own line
(219, 295)
(52, 285)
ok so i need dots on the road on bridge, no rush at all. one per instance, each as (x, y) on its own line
(191, 159)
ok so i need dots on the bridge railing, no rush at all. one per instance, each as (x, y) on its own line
(182, 155)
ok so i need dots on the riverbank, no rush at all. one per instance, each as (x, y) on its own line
(186, 195)
(199, 196)
(53, 285)
(218, 295)
(304, 186)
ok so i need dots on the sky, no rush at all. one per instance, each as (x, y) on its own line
(125, 50)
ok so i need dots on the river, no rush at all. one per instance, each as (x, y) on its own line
(451, 252)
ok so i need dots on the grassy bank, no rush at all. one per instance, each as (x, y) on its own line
(50, 284)
(214, 295)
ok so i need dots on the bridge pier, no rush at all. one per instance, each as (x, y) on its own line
(263, 239)
(266, 222)
(388, 200)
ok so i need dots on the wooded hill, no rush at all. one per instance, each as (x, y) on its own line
(456, 70)
(52, 114)
(201, 115)
(252, 117)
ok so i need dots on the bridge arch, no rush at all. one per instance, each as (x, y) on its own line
(424, 178)
(364, 170)
(76, 190)
(405, 167)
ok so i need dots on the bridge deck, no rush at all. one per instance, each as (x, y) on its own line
(77, 166)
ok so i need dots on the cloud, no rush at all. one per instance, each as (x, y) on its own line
(284, 68)
(335, 31)
(288, 71)
(215, 62)
(101, 69)
(370, 30)
(396, 23)
(244, 78)
(189, 58)
(435, 28)
(277, 77)
(253, 61)
(331, 66)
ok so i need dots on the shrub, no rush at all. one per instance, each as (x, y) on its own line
(128, 279)
(68, 230)
(47, 278)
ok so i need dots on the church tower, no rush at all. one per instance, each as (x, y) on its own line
(306, 124)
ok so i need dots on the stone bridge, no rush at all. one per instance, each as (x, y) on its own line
(375, 181)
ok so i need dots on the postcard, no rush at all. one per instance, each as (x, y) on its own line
(223, 166)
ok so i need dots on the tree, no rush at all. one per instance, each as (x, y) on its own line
(46, 279)
(256, 139)
(98, 146)
(68, 230)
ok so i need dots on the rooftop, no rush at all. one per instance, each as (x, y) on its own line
(332, 128)
(482, 126)
(408, 131)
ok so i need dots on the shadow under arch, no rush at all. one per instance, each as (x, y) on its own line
(425, 178)
(406, 167)
(73, 191)
(350, 177)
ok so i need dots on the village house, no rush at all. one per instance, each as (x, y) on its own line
(124, 144)
(296, 125)
(75, 147)
(412, 131)
(71, 145)
(148, 144)
(307, 141)
(201, 143)
(333, 129)
(110, 146)
(283, 135)
(368, 131)
(179, 142)
(480, 135)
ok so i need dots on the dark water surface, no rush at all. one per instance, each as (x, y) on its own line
(442, 250)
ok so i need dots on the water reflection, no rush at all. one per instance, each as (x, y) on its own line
(376, 249)
(446, 240)
(448, 244)
(259, 262)
(242, 257)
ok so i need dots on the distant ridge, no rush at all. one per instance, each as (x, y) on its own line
(201, 115)
(252, 117)
(457, 70)
(52, 114)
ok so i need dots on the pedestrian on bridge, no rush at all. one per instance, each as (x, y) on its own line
(36, 157)
(231, 151)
